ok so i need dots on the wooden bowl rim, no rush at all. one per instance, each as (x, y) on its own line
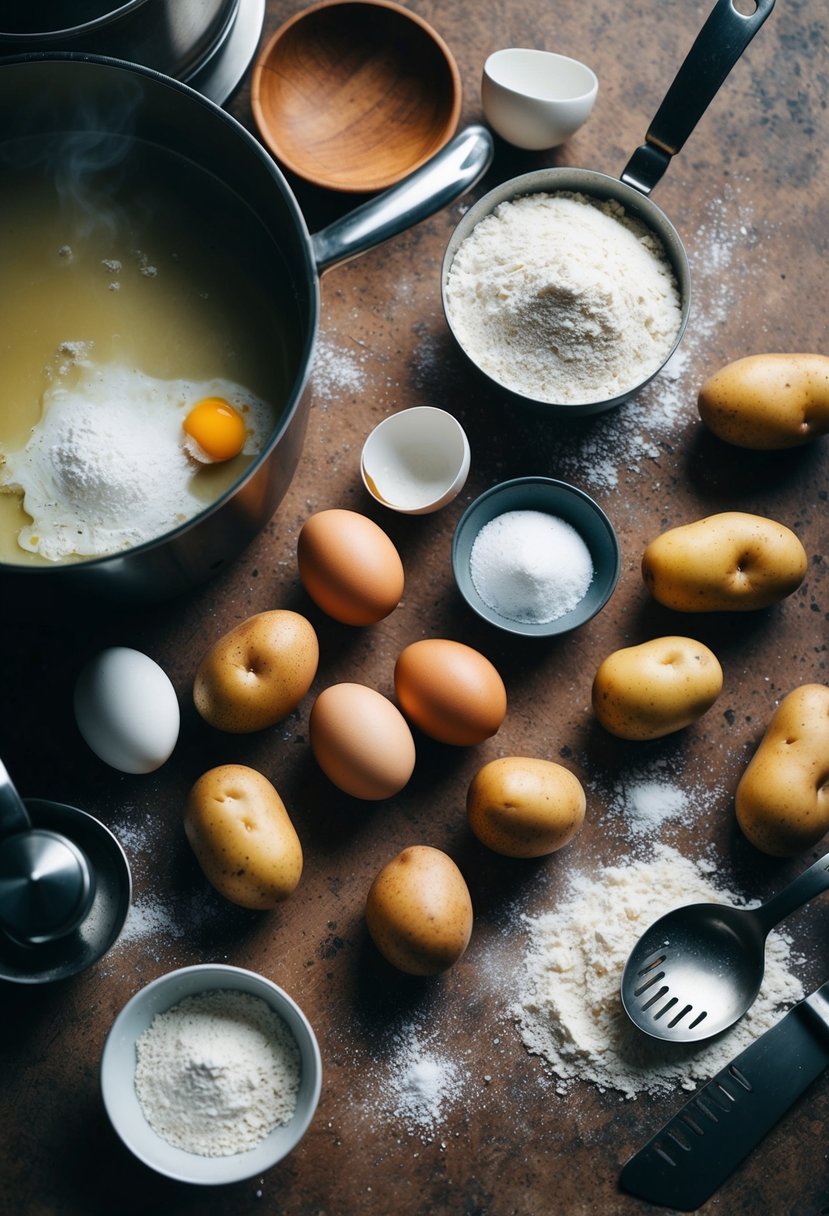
(354, 184)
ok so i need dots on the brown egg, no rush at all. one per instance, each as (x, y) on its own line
(419, 911)
(450, 691)
(361, 741)
(349, 567)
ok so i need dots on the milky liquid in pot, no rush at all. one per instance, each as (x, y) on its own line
(135, 257)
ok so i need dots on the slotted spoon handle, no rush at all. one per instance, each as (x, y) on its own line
(809, 884)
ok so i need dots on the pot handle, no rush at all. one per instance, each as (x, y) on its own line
(718, 46)
(445, 176)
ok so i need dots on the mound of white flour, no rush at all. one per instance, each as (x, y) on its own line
(569, 1010)
(217, 1072)
(564, 298)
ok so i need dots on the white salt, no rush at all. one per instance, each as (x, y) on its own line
(530, 566)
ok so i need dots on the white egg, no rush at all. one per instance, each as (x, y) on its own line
(105, 467)
(127, 710)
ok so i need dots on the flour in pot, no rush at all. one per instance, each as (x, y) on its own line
(564, 298)
(217, 1072)
(569, 1010)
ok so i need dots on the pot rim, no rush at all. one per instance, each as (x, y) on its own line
(86, 27)
(112, 13)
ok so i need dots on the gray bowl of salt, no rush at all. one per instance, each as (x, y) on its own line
(535, 556)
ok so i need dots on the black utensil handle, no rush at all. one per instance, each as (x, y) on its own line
(809, 884)
(717, 47)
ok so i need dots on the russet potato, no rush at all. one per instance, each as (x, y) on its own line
(419, 911)
(656, 688)
(782, 799)
(243, 838)
(768, 402)
(520, 806)
(258, 672)
(731, 562)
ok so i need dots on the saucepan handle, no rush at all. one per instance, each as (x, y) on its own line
(718, 46)
(446, 176)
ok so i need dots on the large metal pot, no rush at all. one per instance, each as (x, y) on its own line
(173, 36)
(42, 94)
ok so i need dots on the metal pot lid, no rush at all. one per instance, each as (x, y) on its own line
(60, 958)
(60, 19)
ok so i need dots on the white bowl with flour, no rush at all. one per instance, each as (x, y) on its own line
(211, 1074)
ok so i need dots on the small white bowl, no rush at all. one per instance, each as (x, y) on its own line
(416, 461)
(536, 99)
(118, 1064)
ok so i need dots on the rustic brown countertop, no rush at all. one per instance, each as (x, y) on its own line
(749, 195)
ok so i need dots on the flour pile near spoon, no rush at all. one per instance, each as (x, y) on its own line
(569, 1011)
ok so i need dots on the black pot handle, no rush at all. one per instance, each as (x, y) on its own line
(718, 46)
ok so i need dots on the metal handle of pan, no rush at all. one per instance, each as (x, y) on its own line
(717, 47)
(13, 814)
(445, 176)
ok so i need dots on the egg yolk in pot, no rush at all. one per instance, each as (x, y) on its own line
(215, 430)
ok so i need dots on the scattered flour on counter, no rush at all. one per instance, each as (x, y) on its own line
(651, 795)
(423, 1085)
(337, 372)
(149, 918)
(569, 1011)
(417, 1078)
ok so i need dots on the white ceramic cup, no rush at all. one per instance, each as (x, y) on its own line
(536, 99)
(416, 461)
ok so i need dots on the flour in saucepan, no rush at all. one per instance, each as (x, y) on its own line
(603, 452)
(564, 298)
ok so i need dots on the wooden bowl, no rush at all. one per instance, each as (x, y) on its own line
(354, 95)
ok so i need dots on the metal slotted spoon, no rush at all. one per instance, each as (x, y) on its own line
(696, 970)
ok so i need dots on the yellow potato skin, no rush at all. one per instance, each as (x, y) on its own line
(656, 688)
(258, 672)
(782, 799)
(731, 562)
(419, 911)
(520, 806)
(242, 836)
(768, 402)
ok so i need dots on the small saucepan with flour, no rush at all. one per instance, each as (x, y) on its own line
(569, 289)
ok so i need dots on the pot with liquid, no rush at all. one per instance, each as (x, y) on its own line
(155, 259)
